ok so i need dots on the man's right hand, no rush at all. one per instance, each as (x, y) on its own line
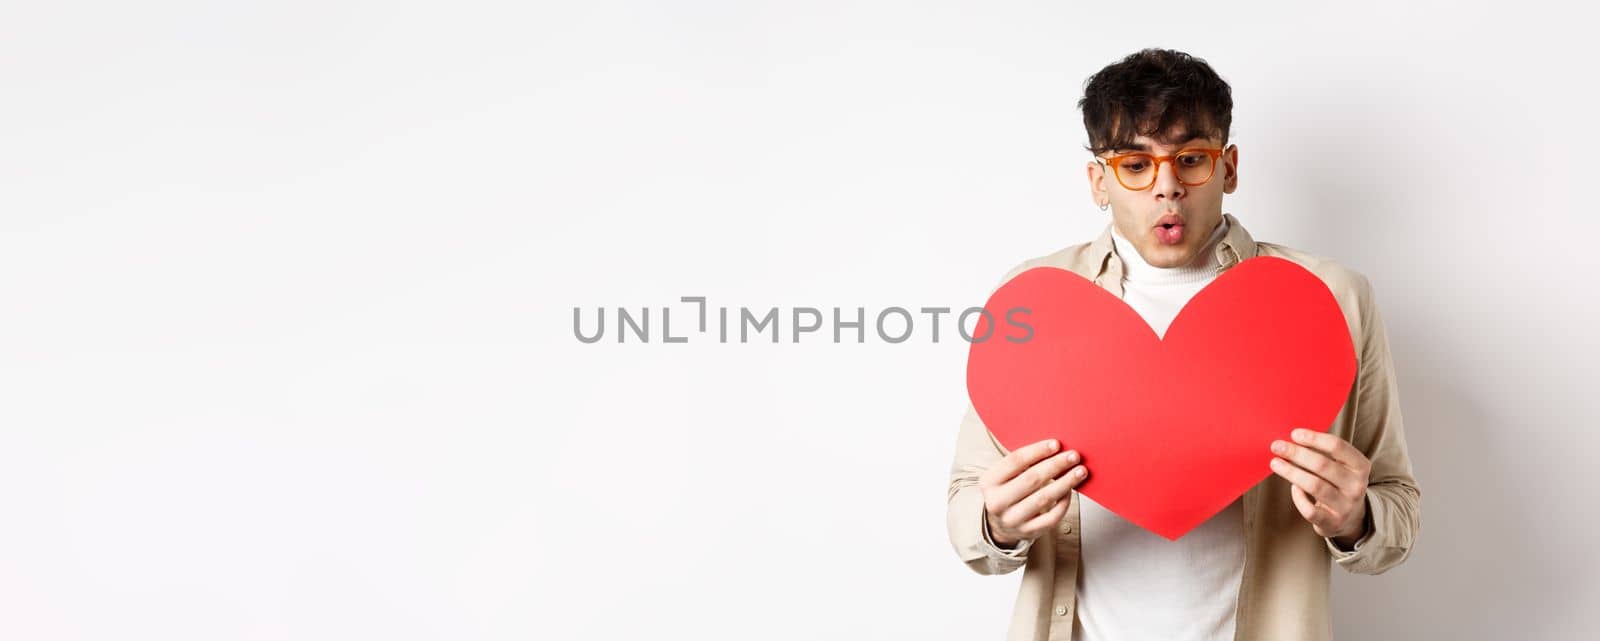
(1025, 494)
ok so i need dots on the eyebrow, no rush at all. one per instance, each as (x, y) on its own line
(1139, 146)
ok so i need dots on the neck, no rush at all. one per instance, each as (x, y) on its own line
(1135, 269)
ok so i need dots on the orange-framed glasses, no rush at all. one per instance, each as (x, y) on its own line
(1137, 171)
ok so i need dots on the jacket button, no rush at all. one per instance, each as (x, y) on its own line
(1061, 610)
(1066, 528)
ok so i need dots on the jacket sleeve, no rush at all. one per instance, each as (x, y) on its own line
(1393, 498)
(965, 517)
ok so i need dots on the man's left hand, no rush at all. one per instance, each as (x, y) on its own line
(1328, 482)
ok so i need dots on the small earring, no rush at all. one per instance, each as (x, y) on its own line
(1104, 205)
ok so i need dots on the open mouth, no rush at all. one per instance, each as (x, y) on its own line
(1169, 229)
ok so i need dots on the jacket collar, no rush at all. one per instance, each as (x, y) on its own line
(1235, 247)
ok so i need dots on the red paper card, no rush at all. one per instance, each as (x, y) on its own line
(1174, 429)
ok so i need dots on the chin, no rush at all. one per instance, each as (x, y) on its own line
(1168, 256)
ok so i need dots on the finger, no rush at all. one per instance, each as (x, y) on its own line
(1311, 511)
(1314, 485)
(1048, 519)
(1340, 450)
(1041, 500)
(1020, 459)
(1317, 462)
(1041, 474)
(1303, 503)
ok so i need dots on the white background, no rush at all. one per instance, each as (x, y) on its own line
(286, 298)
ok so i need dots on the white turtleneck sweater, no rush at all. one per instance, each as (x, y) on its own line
(1133, 584)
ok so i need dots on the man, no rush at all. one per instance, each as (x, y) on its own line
(1158, 125)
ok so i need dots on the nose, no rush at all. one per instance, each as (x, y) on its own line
(1167, 185)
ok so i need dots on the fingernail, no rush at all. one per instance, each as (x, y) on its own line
(1301, 434)
(1072, 455)
(1280, 447)
(1054, 445)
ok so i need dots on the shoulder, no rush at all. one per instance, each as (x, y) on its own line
(1079, 258)
(1338, 277)
(1350, 288)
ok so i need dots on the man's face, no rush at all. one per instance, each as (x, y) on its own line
(1169, 222)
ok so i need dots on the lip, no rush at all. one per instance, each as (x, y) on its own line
(1173, 235)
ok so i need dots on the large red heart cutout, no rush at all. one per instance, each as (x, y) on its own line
(1172, 429)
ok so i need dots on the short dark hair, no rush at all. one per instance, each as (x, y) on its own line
(1149, 93)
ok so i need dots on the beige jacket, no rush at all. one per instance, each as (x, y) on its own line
(1284, 593)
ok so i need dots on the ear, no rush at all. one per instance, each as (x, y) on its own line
(1230, 168)
(1097, 184)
